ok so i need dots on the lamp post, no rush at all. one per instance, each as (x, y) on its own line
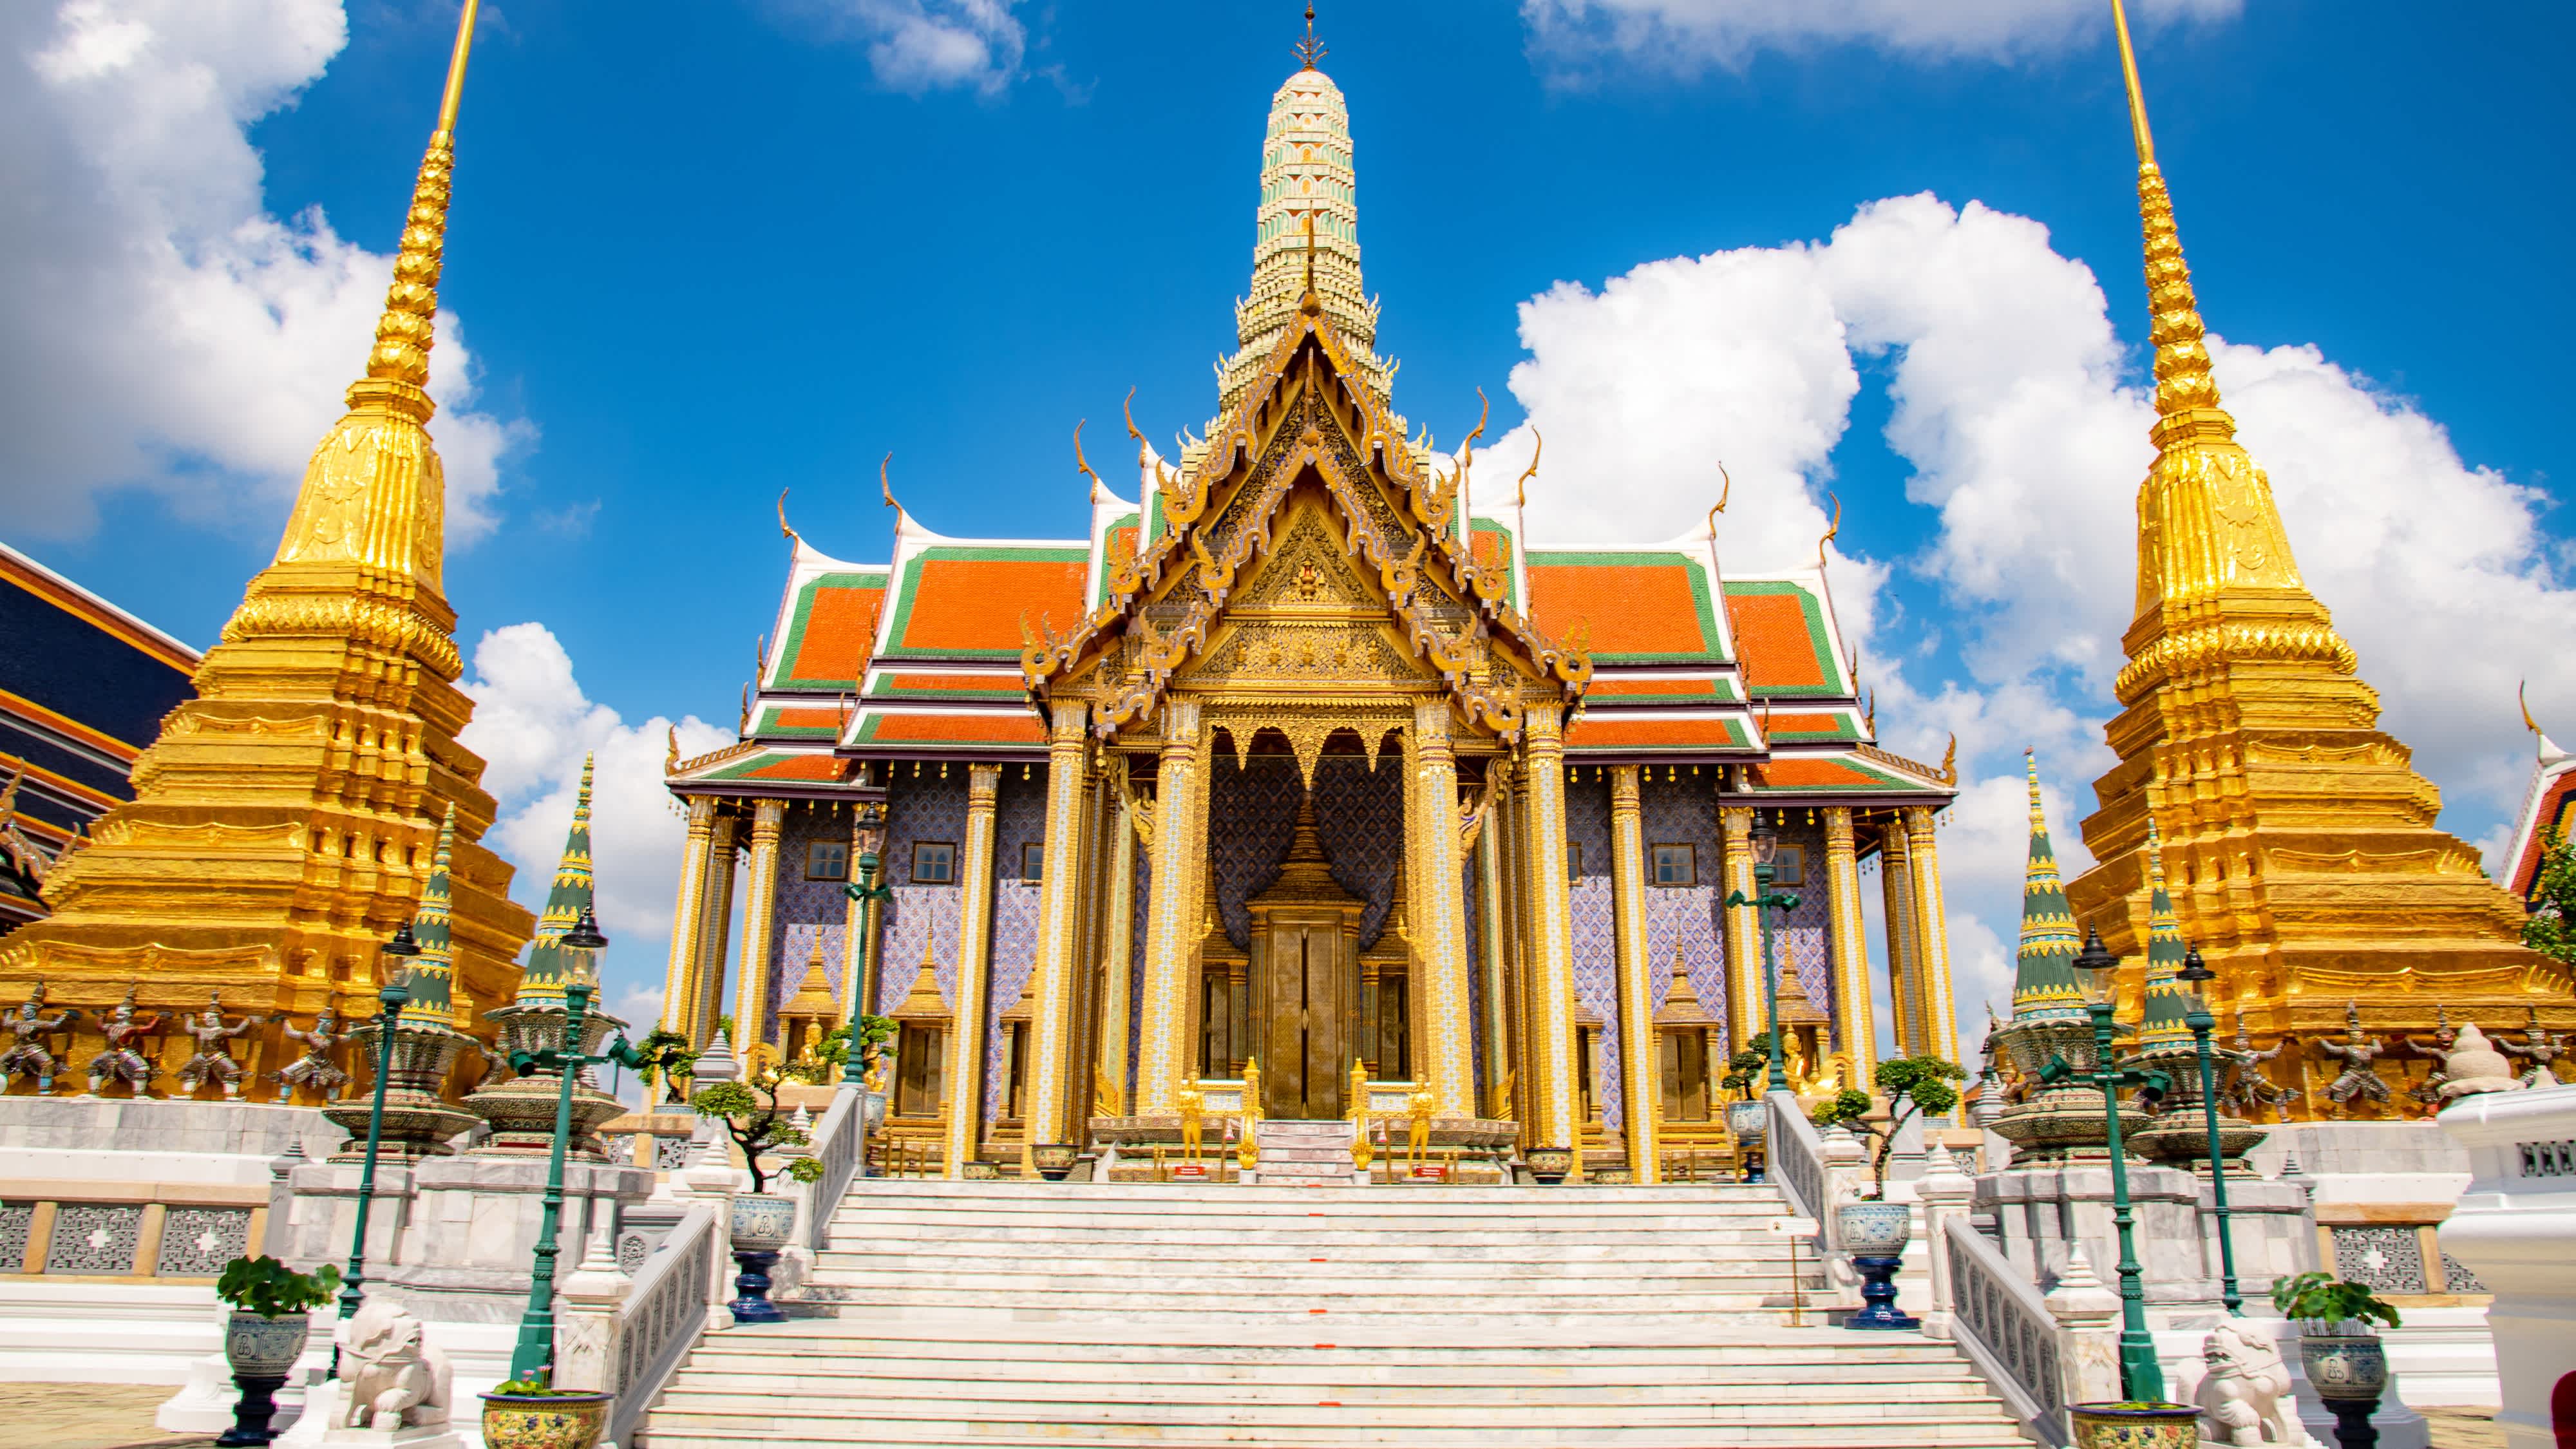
(391, 999)
(535, 1353)
(2196, 972)
(1766, 852)
(2141, 1378)
(871, 837)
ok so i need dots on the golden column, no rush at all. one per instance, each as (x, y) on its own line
(285, 819)
(1492, 936)
(1640, 1055)
(759, 916)
(1904, 942)
(1551, 948)
(1172, 914)
(1939, 1029)
(1436, 916)
(1744, 1016)
(1059, 933)
(974, 968)
(1117, 945)
(715, 931)
(688, 915)
(1848, 938)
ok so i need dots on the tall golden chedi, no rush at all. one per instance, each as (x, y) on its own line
(2305, 860)
(285, 821)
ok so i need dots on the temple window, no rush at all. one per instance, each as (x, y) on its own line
(919, 1083)
(1033, 861)
(1685, 1074)
(827, 860)
(934, 862)
(1789, 867)
(1676, 865)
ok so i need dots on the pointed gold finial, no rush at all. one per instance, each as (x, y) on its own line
(2186, 394)
(1520, 490)
(2146, 141)
(1832, 530)
(1311, 50)
(2030, 762)
(403, 333)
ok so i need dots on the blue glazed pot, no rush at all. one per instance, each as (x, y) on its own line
(1874, 1229)
(2343, 1364)
(762, 1221)
(264, 1347)
(1748, 1121)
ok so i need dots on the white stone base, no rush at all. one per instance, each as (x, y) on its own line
(317, 1427)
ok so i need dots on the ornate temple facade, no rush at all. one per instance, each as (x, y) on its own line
(1305, 754)
(2304, 859)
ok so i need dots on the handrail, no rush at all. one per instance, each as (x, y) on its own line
(837, 1140)
(1796, 1155)
(2004, 1326)
(660, 1320)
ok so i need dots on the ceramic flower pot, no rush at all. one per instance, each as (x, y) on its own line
(1748, 1121)
(762, 1221)
(1874, 1229)
(2343, 1360)
(1054, 1159)
(983, 1172)
(258, 1347)
(545, 1421)
(1621, 1176)
(1550, 1164)
(2133, 1426)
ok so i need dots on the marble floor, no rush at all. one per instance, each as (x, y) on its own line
(89, 1416)
(2463, 1428)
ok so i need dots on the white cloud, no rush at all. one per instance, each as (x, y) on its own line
(927, 45)
(162, 330)
(532, 725)
(1685, 37)
(2015, 402)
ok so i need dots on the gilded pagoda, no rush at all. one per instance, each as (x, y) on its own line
(2304, 859)
(1310, 756)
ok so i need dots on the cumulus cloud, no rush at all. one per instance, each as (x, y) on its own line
(926, 45)
(2021, 412)
(1685, 37)
(532, 726)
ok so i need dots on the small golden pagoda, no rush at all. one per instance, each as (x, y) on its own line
(2305, 863)
(284, 822)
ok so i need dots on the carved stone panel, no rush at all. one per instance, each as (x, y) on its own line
(97, 1238)
(196, 1242)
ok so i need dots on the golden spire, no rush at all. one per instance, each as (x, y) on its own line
(1311, 50)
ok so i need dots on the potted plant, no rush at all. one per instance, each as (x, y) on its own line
(531, 1413)
(2343, 1356)
(265, 1333)
(667, 1056)
(1872, 1229)
(1550, 1164)
(762, 1221)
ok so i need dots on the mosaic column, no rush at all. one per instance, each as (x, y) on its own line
(1744, 1017)
(1172, 914)
(1059, 933)
(1551, 947)
(1437, 917)
(759, 915)
(1492, 936)
(1904, 972)
(715, 932)
(974, 945)
(1940, 1027)
(1848, 938)
(1117, 938)
(688, 917)
(1640, 1063)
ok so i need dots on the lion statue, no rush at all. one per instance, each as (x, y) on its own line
(395, 1377)
(2242, 1388)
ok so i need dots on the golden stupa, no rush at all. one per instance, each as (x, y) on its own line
(284, 823)
(2304, 857)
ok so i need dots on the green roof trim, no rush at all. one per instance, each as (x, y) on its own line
(885, 687)
(1813, 609)
(770, 728)
(794, 645)
(1511, 576)
(1100, 595)
(910, 588)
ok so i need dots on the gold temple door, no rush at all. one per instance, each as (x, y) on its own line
(1307, 975)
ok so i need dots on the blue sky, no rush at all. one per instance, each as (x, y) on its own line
(705, 251)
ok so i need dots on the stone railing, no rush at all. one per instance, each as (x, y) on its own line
(2038, 1351)
(628, 1335)
(839, 1144)
(1794, 1157)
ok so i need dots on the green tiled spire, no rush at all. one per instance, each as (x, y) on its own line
(433, 971)
(2044, 983)
(550, 966)
(2167, 999)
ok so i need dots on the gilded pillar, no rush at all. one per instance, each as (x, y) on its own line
(1117, 944)
(1437, 916)
(1904, 971)
(759, 916)
(1940, 1029)
(1059, 933)
(1492, 937)
(1640, 1060)
(1744, 1016)
(974, 972)
(1172, 914)
(1848, 939)
(1551, 947)
(715, 932)
(688, 916)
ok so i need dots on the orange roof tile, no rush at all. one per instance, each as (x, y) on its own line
(834, 627)
(1780, 640)
(1643, 608)
(1593, 732)
(942, 728)
(1828, 774)
(1003, 685)
(1661, 691)
(968, 602)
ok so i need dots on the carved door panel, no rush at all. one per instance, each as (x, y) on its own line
(1301, 1031)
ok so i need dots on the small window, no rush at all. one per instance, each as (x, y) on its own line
(827, 860)
(934, 862)
(1573, 859)
(1789, 866)
(1033, 861)
(1676, 865)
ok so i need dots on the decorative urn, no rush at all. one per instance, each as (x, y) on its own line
(1054, 1159)
(2344, 1359)
(1748, 1121)
(257, 1346)
(1874, 1229)
(1551, 1164)
(762, 1222)
(549, 1420)
(2133, 1426)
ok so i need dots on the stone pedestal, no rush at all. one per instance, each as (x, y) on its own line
(2041, 1212)
(2515, 1228)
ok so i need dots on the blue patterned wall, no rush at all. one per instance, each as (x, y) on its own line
(924, 806)
(1683, 811)
(1252, 817)
(808, 911)
(1359, 814)
(1019, 819)
(1596, 941)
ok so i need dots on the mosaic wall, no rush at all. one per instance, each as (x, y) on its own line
(1692, 917)
(1473, 899)
(927, 805)
(1596, 950)
(1801, 933)
(1359, 814)
(1252, 817)
(810, 913)
(1019, 819)
(1136, 909)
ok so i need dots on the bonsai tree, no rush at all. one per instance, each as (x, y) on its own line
(667, 1055)
(1914, 1086)
(756, 1126)
(269, 1288)
(2551, 930)
(1745, 1068)
(2324, 1298)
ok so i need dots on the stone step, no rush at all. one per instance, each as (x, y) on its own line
(1261, 1383)
(1115, 1285)
(1328, 1424)
(1729, 1243)
(1049, 1197)
(1446, 1317)
(1573, 1370)
(1270, 1264)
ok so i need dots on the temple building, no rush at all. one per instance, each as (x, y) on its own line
(2304, 860)
(1306, 754)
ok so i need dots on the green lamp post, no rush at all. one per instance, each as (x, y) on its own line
(395, 993)
(871, 898)
(535, 1354)
(2142, 1379)
(1766, 853)
(2197, 974)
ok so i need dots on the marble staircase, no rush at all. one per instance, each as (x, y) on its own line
(1305, 1154)
(1304, 1317)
